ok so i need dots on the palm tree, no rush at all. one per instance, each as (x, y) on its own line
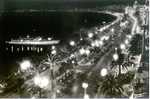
(14, 85)
(110, 87)
(119, 62)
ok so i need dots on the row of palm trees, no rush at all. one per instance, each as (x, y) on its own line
(113, 85)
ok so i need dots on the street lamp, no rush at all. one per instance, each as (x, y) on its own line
(93, 44)
(85, 85)
(73, 62)
(26, 64)
(97, 43)
(104, 72)
(100, 42)
(72, 43)
(129, 36)
(53, 47)
(53, 52)
(87, 52)
(40, 81)
(90, 35)
(115, 57)
(122, 46)
(112, 30)
(126, 41)
(81, 51)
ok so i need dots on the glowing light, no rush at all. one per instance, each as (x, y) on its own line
(53, 52)
(58, 91)
(81, 39)
(49, 38)
(112, 30)
(129, 36)
(126, 41)
(87, 52)
(96, 32)
(101, 43)
(106, 37)
(82, 51)
(53, 47)
(102, 38)
(41, 49)
(115, 57)
(104, 22)
(122, 46)
(42, 82)
(25, 65)
(72, 43)
(93, 44)
(90, 35)
(104, 72)
(73, 62)
(101, 29)
(97, 43)
(84, 85)
(72, 55)
(28, 48)
(39, 39)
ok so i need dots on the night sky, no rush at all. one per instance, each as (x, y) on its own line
(49, 4)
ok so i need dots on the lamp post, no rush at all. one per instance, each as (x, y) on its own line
(84, 86)
(103, 73)
(116, 58)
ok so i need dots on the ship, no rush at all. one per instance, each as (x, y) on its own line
(33, 41)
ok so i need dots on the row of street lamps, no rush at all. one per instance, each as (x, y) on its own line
(43, 81)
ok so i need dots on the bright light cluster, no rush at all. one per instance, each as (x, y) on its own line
(83, 51)
(40, 81)
(26, 64)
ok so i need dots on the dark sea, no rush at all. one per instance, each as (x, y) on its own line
(60, 25)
